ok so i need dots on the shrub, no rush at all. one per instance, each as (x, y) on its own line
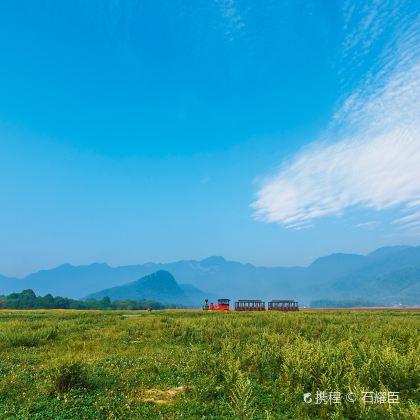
(71, 375)
(242, 399)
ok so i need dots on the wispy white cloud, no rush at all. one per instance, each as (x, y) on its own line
(370, 155)
(368, 225)
(365, 23)
(230, 12)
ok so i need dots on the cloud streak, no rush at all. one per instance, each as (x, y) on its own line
(369, 157)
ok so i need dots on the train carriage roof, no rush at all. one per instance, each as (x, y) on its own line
(249, 300)
(283, 301)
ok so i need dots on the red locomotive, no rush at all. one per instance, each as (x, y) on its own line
(222, 305)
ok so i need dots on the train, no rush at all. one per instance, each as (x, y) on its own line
(252, 305)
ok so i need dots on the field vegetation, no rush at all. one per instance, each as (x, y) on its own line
(195, 364)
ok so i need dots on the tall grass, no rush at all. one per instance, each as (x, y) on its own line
(221, 365)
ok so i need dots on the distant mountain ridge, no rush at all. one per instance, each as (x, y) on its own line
(160, 286)
(334, 276)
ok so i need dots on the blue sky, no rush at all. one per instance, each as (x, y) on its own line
(274, 133)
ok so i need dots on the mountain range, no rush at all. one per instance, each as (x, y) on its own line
(389, 275)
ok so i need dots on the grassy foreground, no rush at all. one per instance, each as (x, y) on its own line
(190, 364)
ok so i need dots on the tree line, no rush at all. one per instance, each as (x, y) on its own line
(27, 299)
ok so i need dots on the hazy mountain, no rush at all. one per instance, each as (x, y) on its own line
(400, 286)
(334, 276)
(7, 284)
(160, 286)
(380, 267)
(77, 281)
(195, 295)
(335, 265)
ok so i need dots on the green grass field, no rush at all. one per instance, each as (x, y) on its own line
(194, 364)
